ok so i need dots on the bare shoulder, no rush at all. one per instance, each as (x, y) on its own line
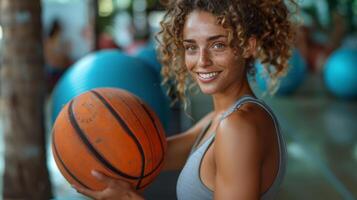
(243, 130)
(241, 122)
(249, 119)
(238, 152)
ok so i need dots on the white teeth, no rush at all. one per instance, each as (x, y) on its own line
(207, 75)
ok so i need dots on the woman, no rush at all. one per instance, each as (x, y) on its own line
(236, 151)
(57, 54)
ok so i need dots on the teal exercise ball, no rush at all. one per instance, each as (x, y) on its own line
(340, 73)
(111, 68)
(148, 54)
(289, 83)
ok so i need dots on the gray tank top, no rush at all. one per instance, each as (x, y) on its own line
(190, 185)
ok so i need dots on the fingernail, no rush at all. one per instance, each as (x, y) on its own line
(94, 173)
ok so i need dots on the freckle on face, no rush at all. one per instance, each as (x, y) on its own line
(199, 28)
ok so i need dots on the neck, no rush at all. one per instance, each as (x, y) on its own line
(223, 101)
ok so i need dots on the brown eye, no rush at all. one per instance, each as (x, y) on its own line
(190, 48)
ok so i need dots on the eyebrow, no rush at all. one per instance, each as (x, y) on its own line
(209, 39)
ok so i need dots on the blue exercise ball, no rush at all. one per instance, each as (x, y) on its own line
(148, 54)
(289, 83)
(112, 68)
(340, 73)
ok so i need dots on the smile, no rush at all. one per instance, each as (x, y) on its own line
(207, 77)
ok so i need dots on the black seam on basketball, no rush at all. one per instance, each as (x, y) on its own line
(143, 127)
(143, 168)
(91, 148)
(63, 164)
(127, 130)
(143, 186)
(157, 131)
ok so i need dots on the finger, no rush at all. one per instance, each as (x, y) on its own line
(123, 183)
(112, 183)
(102, 177)
(86, 192)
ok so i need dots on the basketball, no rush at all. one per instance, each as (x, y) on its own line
(115, 69)
(112, 131)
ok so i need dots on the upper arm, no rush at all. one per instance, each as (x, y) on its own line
(238, 158)
(179, 145)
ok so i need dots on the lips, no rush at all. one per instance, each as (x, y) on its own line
(207, 76)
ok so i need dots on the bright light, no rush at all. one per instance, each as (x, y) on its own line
(0, 32)
(105, 8)
(155, 18)
(122, 4)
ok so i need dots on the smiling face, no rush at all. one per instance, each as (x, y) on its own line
(209, 58)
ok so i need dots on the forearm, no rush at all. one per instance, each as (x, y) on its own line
(180, 145)
(177, 152)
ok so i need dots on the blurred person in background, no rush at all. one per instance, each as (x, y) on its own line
(57, 53)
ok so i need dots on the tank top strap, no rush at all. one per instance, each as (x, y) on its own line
(237, 104)
(281, 142)
(200, 136)
(189, 184)
(251, 99)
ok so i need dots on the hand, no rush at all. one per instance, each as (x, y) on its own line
(116, 189)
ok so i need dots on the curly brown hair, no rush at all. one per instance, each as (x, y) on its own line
(266, 20)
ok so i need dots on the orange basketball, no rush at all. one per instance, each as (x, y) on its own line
(112, 131)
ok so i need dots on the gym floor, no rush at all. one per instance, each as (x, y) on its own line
(321, 134)
(321, 137)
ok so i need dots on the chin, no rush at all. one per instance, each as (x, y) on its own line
(208, 91)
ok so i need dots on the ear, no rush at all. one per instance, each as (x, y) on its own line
(251, 49)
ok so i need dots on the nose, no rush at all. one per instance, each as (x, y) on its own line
(205, 59)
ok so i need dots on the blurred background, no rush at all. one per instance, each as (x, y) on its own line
(53, 50)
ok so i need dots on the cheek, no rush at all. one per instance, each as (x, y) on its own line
(190, 61)
(225, 60)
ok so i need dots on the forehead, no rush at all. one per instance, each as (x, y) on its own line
(201, 24)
